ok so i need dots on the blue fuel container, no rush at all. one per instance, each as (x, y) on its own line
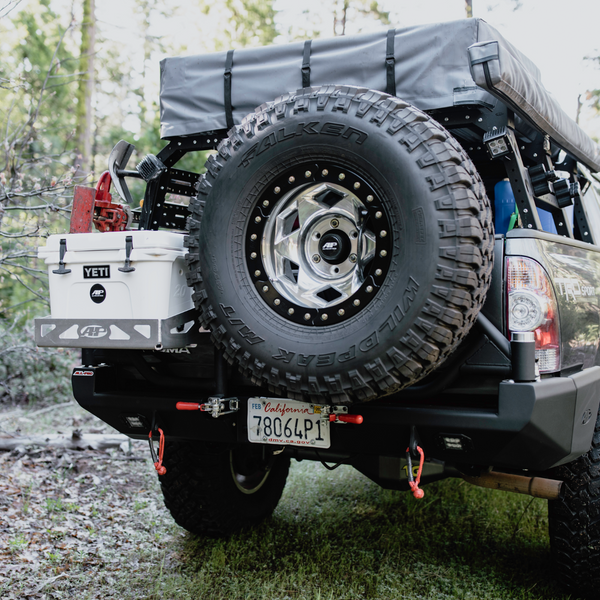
(504, 205)
(546, 220)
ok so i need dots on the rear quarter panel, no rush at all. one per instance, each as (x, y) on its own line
(574, 270)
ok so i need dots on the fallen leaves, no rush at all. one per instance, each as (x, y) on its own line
(74, 522)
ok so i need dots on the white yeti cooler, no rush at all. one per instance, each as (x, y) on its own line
(123, 289)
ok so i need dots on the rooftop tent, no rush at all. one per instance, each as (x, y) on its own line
(430, 66)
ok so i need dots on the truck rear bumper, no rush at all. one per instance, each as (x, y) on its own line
(536, 426)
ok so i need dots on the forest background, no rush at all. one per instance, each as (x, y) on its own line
(75, 78)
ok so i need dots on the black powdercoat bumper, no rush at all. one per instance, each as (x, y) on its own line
(535, 426)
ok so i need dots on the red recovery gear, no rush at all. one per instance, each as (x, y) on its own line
(160, 468)
(413, 482)
(96, 205)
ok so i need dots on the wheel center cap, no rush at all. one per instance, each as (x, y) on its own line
(334, 247)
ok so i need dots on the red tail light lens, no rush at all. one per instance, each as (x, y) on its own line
(532, 306)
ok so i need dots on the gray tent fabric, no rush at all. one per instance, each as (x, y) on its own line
(516, 81)
(434, 66)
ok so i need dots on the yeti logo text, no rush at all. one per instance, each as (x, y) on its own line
(98, 272)
(93, 331)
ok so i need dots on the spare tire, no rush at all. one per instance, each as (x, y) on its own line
(340, 245)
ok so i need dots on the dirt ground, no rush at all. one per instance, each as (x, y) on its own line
(78, 523)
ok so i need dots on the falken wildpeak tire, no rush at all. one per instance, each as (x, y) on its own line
(574, 522)
(214, 489)
(340, 245)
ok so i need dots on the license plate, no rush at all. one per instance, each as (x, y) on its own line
(275, 421)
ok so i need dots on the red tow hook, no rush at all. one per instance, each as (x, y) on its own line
(354, 419)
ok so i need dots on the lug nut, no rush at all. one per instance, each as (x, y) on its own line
(257, 220)
(378, 214)
(253, 255)
(341, 312)
(356, 302)
(265, 288)
(290, 311)
(277, 302)
(370, 198)
(383, 233)
(291, 179)
(334, 223)
(253, 237)
(378, 272)
(316, 258)
(324, 172)
(257, 273)
(369, 288)
(341, 176)
(353, 258)
(356, 185)
(266, 203)
(383, 253)
(277, 190)
(324, 317)
(307, 174)
(307, 316)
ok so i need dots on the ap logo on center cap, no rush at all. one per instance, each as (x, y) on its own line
(98, 293)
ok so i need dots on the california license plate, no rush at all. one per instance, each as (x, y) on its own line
(275, 421)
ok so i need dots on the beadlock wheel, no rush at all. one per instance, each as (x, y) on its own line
(318, 244)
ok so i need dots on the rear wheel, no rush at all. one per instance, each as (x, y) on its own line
(574, 521)
(340, 245)
(213, 489)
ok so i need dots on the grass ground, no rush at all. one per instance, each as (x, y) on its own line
(83, 524)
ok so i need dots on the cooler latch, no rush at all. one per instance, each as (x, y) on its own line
(127, 268)
(61, 261)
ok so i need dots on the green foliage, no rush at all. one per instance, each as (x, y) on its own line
(35, 165)
(242, 23)
(29, 374)
(41, 76)
(338, 17)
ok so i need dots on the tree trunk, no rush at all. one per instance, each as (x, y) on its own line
(86, 89)
(469, 8)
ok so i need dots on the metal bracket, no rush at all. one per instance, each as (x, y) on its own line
(334, 410)
(216, 406)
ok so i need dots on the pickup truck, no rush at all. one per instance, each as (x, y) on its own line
(391, 261)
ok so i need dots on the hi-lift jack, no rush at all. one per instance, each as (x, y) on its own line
(95, 206)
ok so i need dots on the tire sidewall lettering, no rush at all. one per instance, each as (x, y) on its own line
(329, 128)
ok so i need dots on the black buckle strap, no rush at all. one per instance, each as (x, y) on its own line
(390, 63)
(227, 89)
(306, 64)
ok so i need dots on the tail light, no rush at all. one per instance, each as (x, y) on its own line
(532, 306)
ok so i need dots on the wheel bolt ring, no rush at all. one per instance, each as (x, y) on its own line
(351, 306)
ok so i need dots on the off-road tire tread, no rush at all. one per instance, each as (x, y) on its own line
(467, 264)
(198, 492)
(574, 522)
